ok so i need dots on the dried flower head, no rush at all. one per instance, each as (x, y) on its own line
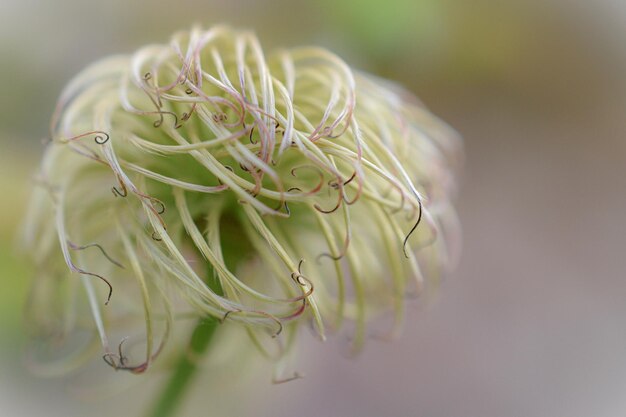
(206, 179)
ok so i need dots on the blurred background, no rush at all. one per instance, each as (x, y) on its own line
(533, 321)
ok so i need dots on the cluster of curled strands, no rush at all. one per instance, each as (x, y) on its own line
(205, 178)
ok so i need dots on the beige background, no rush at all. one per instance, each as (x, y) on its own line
(533, 322)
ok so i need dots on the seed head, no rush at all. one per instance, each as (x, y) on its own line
(205, 178)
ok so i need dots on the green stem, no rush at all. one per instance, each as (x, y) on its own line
(172, 395)
(185, 369)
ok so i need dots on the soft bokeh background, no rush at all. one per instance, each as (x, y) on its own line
(533, 323)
